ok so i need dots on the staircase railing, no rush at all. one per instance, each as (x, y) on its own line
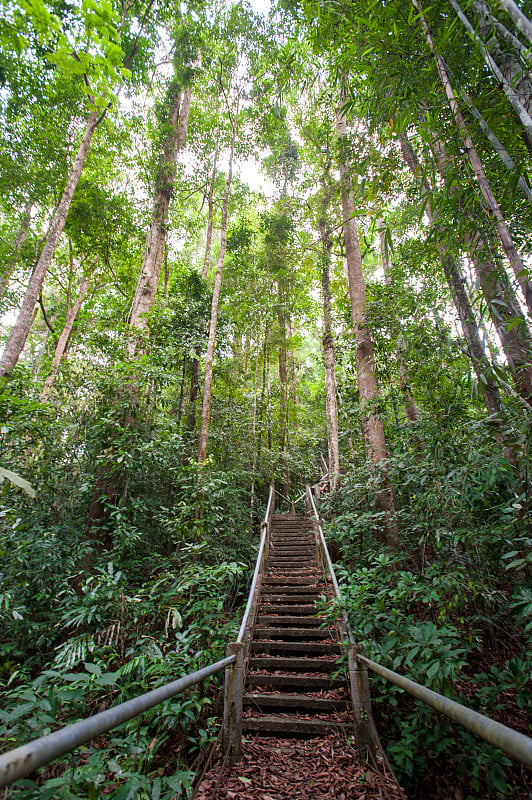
(25, 759)
(515, 744)
(365, 730)
(238, 650)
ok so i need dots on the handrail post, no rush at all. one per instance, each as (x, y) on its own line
(233, 703)
(360, 695)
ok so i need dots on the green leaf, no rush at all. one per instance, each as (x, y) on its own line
(156, 789)
(17, 480)
(94, 669)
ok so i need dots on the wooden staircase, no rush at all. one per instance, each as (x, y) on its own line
(290, 687)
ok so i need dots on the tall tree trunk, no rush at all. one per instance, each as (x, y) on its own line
(269, 397)
(506, 314)
(505, 67)
(284, 430)
(176, 126)
(521, 21)
(210, 201)
(480, 363)
(502, 304)
(194, 378)
(17, 246)
(193, 393)
(331, 407)
(520, 271)
(283, 370)
(254, 439)
(181, 390)
(499, 148)
(20, 330)
(263, 390)
(207, 390)
(292, 378)
(61, 345)
(367, 380)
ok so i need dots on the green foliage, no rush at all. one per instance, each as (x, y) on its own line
(436, 609)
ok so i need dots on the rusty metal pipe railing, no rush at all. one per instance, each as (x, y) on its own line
(258, 564)
(322, 544)
(20, 762)
(514, 744)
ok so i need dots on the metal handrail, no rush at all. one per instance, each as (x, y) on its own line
(330, 568)
(263, 541)
(235, 675)
(20, 762)
(514, 744)
(258, 564)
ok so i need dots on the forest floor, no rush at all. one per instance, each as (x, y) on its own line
(311, 769)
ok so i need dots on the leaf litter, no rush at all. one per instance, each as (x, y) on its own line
(311, 769)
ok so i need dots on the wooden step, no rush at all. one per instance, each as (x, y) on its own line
(308, 558)
(278, 619)
(284, 589)
(309, 683)
(273, 725)
(288, 599)
(298, 558)
(297, 543)
(281, 646)
(279, 580)
(299, 702)
(293, 664)
(289, 608)
(292, 571)
(292, 634)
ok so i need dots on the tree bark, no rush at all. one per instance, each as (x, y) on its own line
(20, 330)
(505, 67)
(62, 342)
(263, 390)
(181, 390)
(210, 201)
(269, 397)
(193, 394)
(283, 370)
(331, 407)
(373, 428)
(207, 390)
(499, 148)
(254, 440)
(506, 315)
(521, 21)
(502, 303)
(174, 140)
(480, 363)
(520, 271)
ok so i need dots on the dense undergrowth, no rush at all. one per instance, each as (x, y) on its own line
(124, 573)
(95, 615)
(452, 609)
